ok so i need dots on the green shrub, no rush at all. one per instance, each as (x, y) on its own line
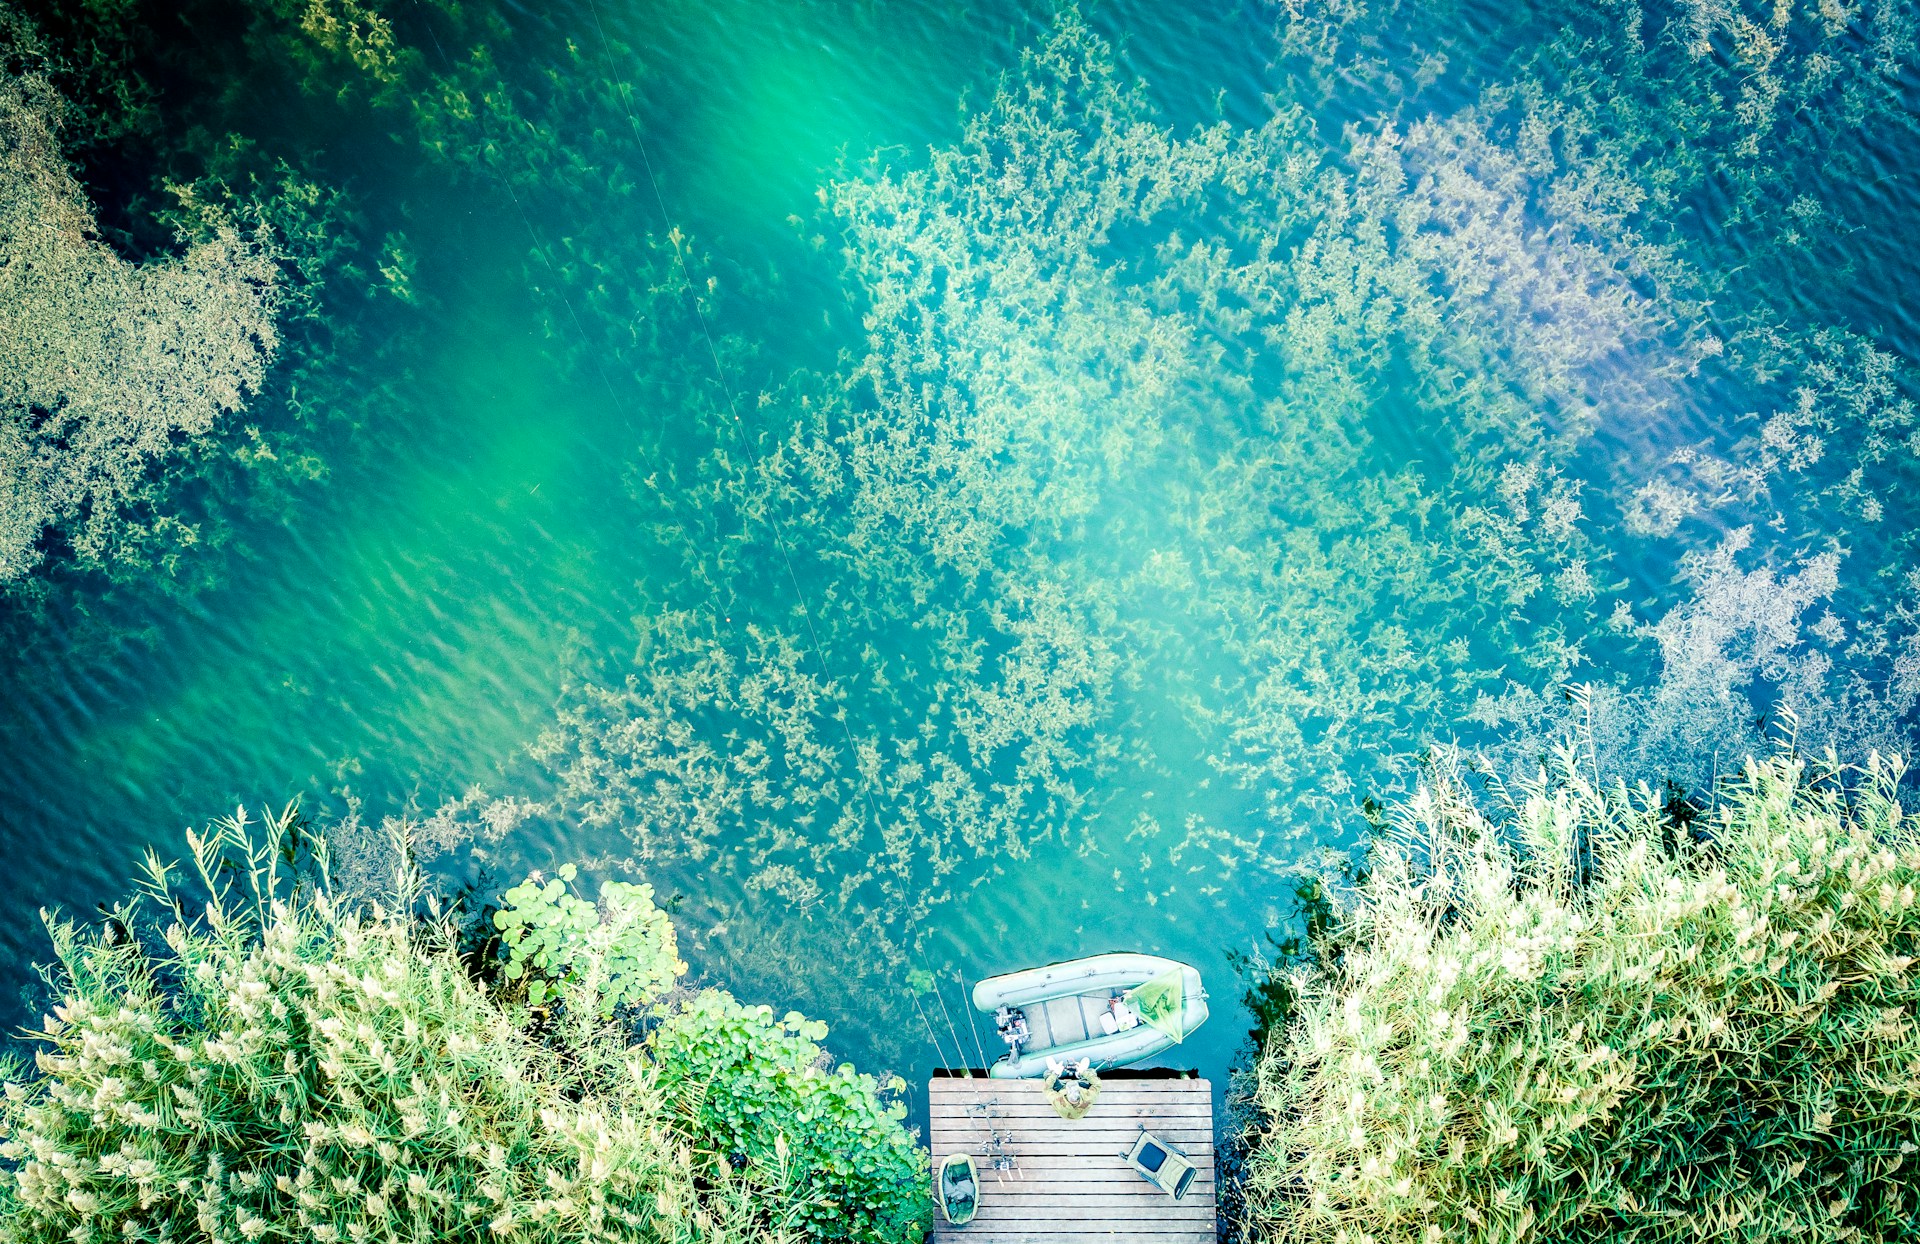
(281, 1068)
(754, 1090)
(552, 936)
(1575, 1017)
(761, 1091)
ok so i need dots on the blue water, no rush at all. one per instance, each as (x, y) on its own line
(1214, 551)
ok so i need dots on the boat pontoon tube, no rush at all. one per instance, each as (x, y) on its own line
(1062, 1002)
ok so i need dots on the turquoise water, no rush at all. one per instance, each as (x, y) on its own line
(1137, 545)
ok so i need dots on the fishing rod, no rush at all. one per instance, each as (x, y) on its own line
(972, 1027)
(959, 1046)
(938, 1050)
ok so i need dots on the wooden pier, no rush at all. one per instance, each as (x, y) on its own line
(1045, 1180)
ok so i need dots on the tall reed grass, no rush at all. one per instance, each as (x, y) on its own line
(278, 1066)
(1562, 1012)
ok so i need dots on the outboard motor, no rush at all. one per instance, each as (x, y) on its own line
(1012, 1024)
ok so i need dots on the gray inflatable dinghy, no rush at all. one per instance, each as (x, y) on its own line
(1108, 1009)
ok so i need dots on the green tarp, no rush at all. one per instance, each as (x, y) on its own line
(1159, 1002)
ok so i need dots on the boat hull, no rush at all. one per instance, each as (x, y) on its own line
(1035, 990)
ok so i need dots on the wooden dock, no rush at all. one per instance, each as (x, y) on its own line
(1045, 1180)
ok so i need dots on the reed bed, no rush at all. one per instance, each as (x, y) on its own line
(281, 1066)
(1562, 1012)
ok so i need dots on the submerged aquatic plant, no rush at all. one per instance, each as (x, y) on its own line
(1108, 458)
(107, 367)
(1562, 1013)
(1192, 466)
(225, 409)
(1660, 132)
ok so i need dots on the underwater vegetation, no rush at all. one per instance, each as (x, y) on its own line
(104, 364)
(1160, 491)
(1149, 502)
(196, 351)
(286, 1065)
(1185, 481)
(1557, 1011)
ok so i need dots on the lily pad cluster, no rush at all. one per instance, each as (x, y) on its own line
(621, 951)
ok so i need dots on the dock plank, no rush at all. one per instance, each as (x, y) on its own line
(1067, 1183)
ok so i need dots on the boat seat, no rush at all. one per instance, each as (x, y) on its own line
(1091, 1009)
(1069, 1021)
(1065, 1021)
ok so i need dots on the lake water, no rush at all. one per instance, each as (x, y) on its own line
(1056, 519)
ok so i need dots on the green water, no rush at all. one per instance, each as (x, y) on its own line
(1136, 565)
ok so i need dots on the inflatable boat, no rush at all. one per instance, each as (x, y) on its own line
(1108, 1009)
